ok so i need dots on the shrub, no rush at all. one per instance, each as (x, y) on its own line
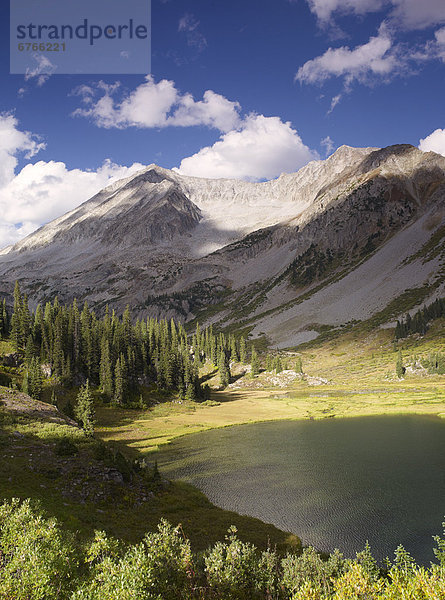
(37, 560)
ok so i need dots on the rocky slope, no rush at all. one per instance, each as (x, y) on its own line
(337, 241)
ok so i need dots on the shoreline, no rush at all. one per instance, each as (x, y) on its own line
(144, 432)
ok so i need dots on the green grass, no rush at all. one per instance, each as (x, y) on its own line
(362, 381)
(27, 444)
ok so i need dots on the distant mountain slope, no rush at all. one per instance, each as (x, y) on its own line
(336, 241)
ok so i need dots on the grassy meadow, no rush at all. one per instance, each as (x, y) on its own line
(361, 381)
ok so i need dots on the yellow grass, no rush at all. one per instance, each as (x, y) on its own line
(361, 378)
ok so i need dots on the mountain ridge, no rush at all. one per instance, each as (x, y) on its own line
(173, 245)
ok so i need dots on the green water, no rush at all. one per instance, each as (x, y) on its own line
(335, 483)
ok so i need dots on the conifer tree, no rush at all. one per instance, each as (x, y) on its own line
(277, 366)
(299, 365)
(4, 320)
(233, 349)
(223, 368)
(67, 375)
(34, 379)
(84, 409)
(400, 369)
(254, 363)
(16, 324)
(242, 350)
(25, 319)
(105, 375)
(30, 350)
(120, 380)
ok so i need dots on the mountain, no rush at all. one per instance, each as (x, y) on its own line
(355, 236)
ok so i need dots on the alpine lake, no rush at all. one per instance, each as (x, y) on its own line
(336, 483)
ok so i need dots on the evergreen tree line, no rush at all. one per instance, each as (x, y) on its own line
(113, 353)
(418, 323)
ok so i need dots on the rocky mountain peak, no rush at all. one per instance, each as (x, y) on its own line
(170, 244)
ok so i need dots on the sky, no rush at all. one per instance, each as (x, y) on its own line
(245, 90)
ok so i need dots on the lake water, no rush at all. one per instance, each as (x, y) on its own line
(334, 483)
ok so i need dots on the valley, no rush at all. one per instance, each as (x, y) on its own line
(169, 305)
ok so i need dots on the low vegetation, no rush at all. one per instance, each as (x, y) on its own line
(42, 561)
(88, 484)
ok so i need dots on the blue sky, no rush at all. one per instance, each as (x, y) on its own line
(237, 89)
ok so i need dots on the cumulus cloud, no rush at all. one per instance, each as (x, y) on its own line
(41, 191)
(13, 142)
(325, 9)
(376, 58)
(154, 104)
(262, 148)
(403, 14)
(417, 14)
(435, 142)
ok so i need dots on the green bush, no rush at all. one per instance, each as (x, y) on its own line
(38, 562)
(234, 571)
(159, 568)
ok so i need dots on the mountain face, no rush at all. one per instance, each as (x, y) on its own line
(357, 235)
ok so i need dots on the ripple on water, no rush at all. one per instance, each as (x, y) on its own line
(334, 483)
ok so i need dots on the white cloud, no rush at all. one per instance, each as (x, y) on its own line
(335, 100)
(42, 191)
(417, 14)
(262, 148)
(375, 59)
(156, 105)
(404, 14)
(435, 142)
(324, 9)
(188, 24)
(12, 143)
(440, 43)
(328, 145)
(42, 71)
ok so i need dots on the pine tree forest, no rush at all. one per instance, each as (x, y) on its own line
(115, 355)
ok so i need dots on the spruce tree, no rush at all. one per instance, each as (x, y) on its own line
(299, 365)
(277, 366)
(400, 369)
(84, 409)
(223, 368)
(254, 363)
(105, 373)
(242, 350)
(233, 349)
(16, 320)
(30, 350)
(35, 380)
(120, 380)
